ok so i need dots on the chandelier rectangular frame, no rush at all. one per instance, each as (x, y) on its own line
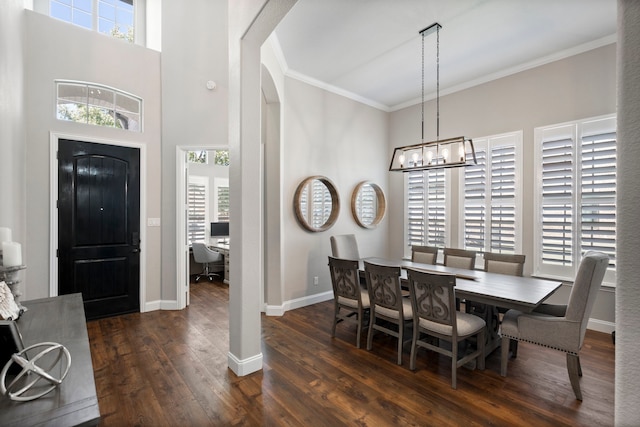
(445, 153)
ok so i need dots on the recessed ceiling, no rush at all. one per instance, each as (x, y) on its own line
(370, 50)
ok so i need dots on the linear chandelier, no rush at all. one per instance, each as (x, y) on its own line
(445, 153)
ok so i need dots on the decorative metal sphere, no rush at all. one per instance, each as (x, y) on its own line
(24, 386)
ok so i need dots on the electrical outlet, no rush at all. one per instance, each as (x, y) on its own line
(315, 280)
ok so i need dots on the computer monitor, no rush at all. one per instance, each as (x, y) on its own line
(220, 229)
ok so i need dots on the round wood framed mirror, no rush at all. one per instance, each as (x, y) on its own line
(316, 203)
(368, 204)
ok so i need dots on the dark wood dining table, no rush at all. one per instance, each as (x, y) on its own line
(491, 289)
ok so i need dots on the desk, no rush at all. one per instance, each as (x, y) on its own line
(223, 248)
(492, 289)
(74, 402)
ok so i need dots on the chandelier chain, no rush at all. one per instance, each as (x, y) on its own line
(422, 134)
(438, 83)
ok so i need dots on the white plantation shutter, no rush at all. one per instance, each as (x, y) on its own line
(436, 208)
(598, 189)
(426, 208)
(223, 203)
(475, 193)
(197, 198)
(416, 208)
(491, 195)
(503, 199)
(577, 198)
(557, 201)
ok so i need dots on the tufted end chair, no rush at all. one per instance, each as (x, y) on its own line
(561, 327)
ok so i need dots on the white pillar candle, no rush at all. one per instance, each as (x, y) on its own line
(5, 234)
(11, 254)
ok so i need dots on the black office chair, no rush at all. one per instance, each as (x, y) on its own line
(212, 261)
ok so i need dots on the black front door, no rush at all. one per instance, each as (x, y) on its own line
(99, 226)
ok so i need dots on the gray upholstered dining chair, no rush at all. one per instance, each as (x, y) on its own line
(511, 264)
(344, 246)
(459, 258)
(424, 254)
(212, 261)
(387, 303)
(561, 327)
(348, 295)
(434, 314)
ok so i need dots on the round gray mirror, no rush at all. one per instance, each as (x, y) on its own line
(316, 203)
(368, 204)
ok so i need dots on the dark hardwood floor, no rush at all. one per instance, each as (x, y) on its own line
(169, 368)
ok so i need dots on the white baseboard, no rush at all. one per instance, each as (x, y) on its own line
(246, 366)
(308, 300)
(279, 310)
(601, 326)
(274, 310)
(160, 305)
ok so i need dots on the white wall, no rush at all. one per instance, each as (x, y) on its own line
(194, 50)
(578, 87)
(327, 134)
(57, 50)
(12, 133)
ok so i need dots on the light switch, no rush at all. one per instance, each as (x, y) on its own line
(153, 222)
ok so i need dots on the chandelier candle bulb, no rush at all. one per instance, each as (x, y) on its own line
(11, 254)
(5, 234)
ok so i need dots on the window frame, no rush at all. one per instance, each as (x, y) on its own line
(576, 131)
(488, 144)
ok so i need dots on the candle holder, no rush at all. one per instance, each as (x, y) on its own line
(9, 275)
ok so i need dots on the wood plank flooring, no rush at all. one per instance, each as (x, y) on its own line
(169, 368)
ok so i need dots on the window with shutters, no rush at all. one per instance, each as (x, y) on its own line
(426, 208)
(198, 208)
(576, 200)
(491, 207)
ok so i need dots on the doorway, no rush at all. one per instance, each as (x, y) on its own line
(99, 226)
(203, 188)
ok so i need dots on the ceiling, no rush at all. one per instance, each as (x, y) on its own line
(371, 50)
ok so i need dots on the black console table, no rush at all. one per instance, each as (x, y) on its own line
(62, 320)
